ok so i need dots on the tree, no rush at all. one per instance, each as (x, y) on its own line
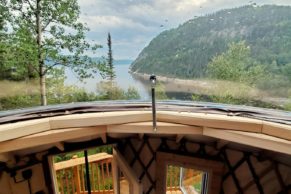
(58, 37)
(19, 56)
(111, 73)
(235, 64)
(3, 44)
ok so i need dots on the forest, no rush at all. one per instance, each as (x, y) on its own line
(185, 51)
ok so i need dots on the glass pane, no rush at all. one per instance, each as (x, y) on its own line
(230, 52)
(182, 180)
(191, 181)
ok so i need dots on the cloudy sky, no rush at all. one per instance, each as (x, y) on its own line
(134, 23)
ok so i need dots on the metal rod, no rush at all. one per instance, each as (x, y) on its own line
(153, 84)
(87, 172)
(154, 110)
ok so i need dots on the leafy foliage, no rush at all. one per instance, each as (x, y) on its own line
(43, 30)
(161, 92)
(69, 156)
(110, 91)
(235, 64)
(230, 99)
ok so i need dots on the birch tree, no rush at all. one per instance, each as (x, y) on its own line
(58, 37)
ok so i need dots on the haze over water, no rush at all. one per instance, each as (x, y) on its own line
(123, 78)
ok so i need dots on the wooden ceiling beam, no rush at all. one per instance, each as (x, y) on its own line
(211, 120)
(24, 128)
(252, 139)
(179, 137)
(50, 137)
(6, 157)
(60, 146)
(140, 135)
(162, 128)
(104, 137)
(221, 144)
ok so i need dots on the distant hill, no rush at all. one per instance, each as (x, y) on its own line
(185, 51)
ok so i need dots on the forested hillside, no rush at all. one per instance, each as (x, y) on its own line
(186, 51)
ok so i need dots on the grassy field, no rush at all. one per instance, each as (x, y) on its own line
(227, 91)
(14, 88)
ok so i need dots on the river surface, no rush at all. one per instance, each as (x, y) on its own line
(123, 79)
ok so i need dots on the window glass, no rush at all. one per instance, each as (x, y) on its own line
(222, 51)
(186, 180)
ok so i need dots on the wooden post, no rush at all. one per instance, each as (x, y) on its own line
(115, 176)
(92, 176)
(77, 179)
(103, 177)
(72, 180)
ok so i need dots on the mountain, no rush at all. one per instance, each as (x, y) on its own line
(186, 50)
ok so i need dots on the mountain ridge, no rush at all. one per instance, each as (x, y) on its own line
(186, 50)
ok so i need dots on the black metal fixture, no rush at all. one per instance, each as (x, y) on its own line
(153, 80)
(87, 172)
(26, 176)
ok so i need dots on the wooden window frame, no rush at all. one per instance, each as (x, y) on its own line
(119, 163)
(214, 169)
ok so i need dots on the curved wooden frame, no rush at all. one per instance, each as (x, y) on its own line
(37, 132)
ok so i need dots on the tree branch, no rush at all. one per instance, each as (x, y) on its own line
(52, 66)
(30, 5)
(46, 25)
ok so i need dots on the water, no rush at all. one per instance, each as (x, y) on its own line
(123, 79)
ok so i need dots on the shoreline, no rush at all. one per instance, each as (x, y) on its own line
(213, 87)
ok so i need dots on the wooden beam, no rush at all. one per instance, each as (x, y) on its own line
(277, 130)
(211, 120)
(140, 135)
(49, 137)
(40, 155)
(103, 118)
(60, 146)
(136, 122)
(221, 143)
(135, 186)
(162, 128)
(6, 157)
(252, 139)
(104, 137)
(23, 128)
(179, 137)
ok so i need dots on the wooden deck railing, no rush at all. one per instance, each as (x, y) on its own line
(71, 175)
(173, 179)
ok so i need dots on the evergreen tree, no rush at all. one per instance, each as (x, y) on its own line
(111, 73)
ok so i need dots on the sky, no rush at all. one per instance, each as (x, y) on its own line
(134, 23)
